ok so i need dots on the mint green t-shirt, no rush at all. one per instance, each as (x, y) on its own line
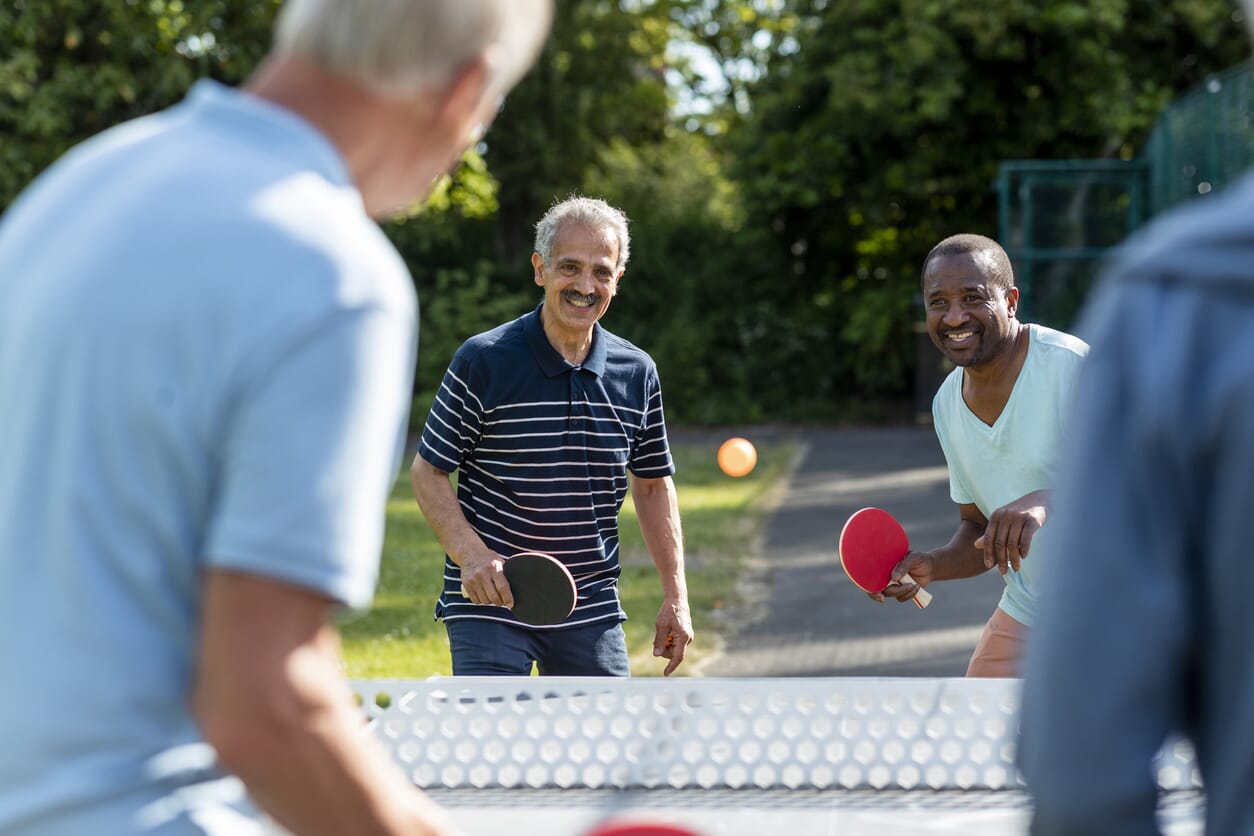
(992, 466)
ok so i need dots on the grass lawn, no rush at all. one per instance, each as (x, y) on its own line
(721, 518)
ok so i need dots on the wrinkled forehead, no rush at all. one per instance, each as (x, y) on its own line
(580, 241)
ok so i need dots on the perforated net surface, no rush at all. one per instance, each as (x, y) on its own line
(815, 749)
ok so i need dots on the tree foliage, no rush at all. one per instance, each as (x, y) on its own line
(883, 135)
(786, 163)
(71, 68)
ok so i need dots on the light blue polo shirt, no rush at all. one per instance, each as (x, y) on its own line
(206, 356)
(1020, 453)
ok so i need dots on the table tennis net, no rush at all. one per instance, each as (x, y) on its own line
(824, 734)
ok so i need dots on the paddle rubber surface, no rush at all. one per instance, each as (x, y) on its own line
(872, 542)
(544, 591)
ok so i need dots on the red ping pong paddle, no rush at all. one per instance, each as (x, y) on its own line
(871, 544)
(544, 591)
(641, 829)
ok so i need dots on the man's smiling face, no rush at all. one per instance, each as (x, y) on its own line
(968, 313)
(580, 280)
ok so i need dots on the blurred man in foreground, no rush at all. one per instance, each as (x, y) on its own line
(206, 350)
(1147, 631)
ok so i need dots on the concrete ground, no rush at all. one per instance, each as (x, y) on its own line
(805, 618)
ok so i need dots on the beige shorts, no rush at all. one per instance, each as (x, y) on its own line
(1000, 649)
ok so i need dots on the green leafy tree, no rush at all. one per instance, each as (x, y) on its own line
(599, 79)
(596, 115)
(673, 300)
(884, 133)
(71, 68)
(785, 163)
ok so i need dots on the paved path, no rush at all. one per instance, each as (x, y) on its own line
(810, 619)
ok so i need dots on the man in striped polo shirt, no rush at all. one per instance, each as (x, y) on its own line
(551, 419)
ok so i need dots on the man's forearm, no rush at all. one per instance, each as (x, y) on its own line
(326, 776)
(482, 569)
(270, 699)
(959, 558)
(657, 509)
(438, 502)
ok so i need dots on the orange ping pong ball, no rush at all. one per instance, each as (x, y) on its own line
(737, 456)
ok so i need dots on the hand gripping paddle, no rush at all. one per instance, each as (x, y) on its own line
(871, 544)
(544, 591)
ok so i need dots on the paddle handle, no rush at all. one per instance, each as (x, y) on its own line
(921, 598)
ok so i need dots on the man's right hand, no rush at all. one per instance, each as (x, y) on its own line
(483, 579)
(916, 564)
(482, 570)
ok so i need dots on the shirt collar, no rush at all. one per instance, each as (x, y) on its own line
(248, 111)
(551, 361)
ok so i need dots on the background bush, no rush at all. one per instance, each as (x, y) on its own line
(780, 206)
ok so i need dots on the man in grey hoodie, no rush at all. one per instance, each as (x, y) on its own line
(1145, 627)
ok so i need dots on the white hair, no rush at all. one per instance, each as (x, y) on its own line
(401, 47)
(591, 212)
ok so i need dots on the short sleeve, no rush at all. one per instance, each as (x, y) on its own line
(651, 452)
(455, 422)
(310, 452)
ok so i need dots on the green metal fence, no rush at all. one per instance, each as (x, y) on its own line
(1203, 140)
(1058, 218)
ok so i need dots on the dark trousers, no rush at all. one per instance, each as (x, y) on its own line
(492, 648)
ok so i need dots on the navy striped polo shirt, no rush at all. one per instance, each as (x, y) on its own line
(543, 448)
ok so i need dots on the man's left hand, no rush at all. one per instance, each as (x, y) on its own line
(1010, 529)
(673, 633)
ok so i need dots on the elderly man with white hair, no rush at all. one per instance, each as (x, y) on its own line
(206, 357)
(550, 420)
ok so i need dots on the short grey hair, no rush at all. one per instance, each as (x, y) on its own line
(994, 260)
(401, 47)
(591, 212)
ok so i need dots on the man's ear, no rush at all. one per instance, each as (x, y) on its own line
(462, 104)
(537, 265)
(1012, 301)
